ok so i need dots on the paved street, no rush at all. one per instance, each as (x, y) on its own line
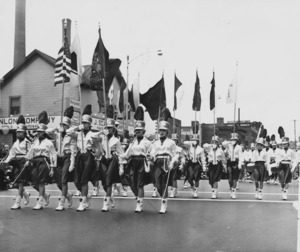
(202, 224)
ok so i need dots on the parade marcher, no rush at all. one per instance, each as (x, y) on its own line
(163, 154)
(234, 164)
(296, 163)
(178, 168)
(244, 157)
(196, 164)
(260, 170)
(16, 158)
(285, 160)
(43, 159)
(136, 155)
(89, 146)
(152, 170)
(216, 165)
(125, 178)
(112, 167)
(66, 159)
(273, 156)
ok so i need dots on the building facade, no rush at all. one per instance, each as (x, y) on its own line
(247, 131)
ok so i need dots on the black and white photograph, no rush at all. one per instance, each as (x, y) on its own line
(163, 125)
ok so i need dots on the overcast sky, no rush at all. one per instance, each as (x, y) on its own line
(263, 36)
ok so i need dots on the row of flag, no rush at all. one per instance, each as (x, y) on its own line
(104, 76)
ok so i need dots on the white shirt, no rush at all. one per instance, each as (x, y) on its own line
(167, 147)
(259, 156)
(43, 148)
(273, 154)
(195, 153)
(216, 155)
(18, 148)
(285, 155)
(136, 148)
(113, 145)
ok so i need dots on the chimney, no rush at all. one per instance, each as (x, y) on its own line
(239, 116)
(20, 25)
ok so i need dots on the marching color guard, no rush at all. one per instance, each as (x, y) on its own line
(136, 155)
(85, 164)
(43, 158)
(196, 164)
(216, 165)
(234, 164)
(178, 169)
(163, 154)
(17, 159)
(260, 170)
(285, 161)
(66, 159)
(112, 167)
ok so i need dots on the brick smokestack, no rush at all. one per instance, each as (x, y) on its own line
(20, 32)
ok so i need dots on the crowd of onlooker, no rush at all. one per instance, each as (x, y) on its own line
(4, 150)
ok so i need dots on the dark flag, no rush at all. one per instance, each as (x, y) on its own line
(100, 59)
(212, 93)
(102, 67)
(197, 95)
(154, 99)
(177, 85)
(130, 99)
(63, 63)
(122, 88)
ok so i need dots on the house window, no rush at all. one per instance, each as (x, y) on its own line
(15, 105)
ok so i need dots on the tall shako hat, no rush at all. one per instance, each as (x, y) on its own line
(86, 114)
(21, 127)
(43, 121)
(139, 117)
(215, 139)
(267, 141)
(164, 116)
(273, 140)
(282, 136)
(234, 136)
(110, 116)
(261, 141)
(68, 114)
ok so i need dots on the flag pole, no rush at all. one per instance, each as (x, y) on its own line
(63, 89)
(235, 96)
(79, 96)
(103, 85)
(159, 108)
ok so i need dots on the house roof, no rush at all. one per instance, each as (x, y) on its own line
(34, 54)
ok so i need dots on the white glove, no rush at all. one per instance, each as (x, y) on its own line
(60, 129)
(71, 167)
(171, 166)
(147, 168)
(80, 127)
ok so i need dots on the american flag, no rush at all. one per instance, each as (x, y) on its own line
(63, 64)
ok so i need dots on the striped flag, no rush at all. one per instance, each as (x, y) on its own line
(63, 63)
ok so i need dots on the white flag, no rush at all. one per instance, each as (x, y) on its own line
(231, 94)
(113, 93)
(136, 92)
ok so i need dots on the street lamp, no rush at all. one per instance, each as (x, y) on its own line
(159, 53)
